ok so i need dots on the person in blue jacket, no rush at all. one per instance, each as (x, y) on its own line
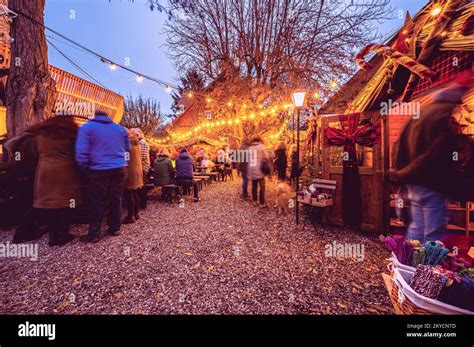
(102, 152)
(185, 172)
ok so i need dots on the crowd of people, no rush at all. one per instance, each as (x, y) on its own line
(59, 168)
(64, 173)
(101, 168)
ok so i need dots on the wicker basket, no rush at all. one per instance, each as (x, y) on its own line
(401, 304)
(406, 301)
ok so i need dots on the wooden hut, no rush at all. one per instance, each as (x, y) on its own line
(441, 38)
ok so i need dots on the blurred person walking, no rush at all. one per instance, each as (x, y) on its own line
(243, 166)
(258, 168)
(425, 161)
(281, 161)
(102, 150)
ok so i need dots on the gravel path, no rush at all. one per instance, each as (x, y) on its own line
(218, 256)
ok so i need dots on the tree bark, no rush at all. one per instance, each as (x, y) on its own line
(30, 90)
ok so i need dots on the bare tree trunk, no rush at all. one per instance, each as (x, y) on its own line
(30, 89)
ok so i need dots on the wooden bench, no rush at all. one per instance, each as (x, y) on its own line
(172, 188)
(324, 186)
(214, 175)
(206, 179)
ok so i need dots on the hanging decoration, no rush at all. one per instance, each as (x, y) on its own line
(398, 57)
(348, 136)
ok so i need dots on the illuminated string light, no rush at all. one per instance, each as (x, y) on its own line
(139, 78)
(436, 10)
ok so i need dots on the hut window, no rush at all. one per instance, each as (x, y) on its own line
(364, 156)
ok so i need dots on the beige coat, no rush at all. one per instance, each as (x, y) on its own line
(135, 170)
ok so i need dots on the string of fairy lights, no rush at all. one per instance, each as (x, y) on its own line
(208, 126)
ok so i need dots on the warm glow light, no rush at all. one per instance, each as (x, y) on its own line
(298, 98)
(208, 100)
(316, 95)
(252, 116)
(333, 84)
(229, 104)
(139, 78)
(112, 67)
(436, 10)
(190, 95)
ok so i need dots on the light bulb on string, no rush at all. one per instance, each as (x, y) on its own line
(168, 89)
(139, 78)
(112, 66)
(436, 10)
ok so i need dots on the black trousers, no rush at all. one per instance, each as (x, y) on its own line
(255, 183)
(188, 182)
(105, 188)
(57, 221)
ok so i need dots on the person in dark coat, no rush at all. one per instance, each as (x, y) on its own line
(425, 160)
(56, 194)
(281, 161)
(23, 159)
(243, 167)
(185, 172)
(163, 174)
(294, 166)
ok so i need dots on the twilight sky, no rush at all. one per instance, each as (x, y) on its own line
(125, 31)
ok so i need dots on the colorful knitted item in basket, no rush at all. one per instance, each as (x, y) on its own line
(401, 247)
(454, 263)
(426, 282)
(435, 252)
(418, 256)
(467, 272)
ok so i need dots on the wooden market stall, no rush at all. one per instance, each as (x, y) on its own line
(443, 43)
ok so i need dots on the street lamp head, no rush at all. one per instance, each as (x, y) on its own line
(298, 98)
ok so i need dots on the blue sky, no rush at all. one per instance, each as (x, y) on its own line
(121, 30)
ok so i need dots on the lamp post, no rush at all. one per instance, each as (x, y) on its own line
(298, 102)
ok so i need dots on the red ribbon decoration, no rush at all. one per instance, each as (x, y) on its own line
(348, 136)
